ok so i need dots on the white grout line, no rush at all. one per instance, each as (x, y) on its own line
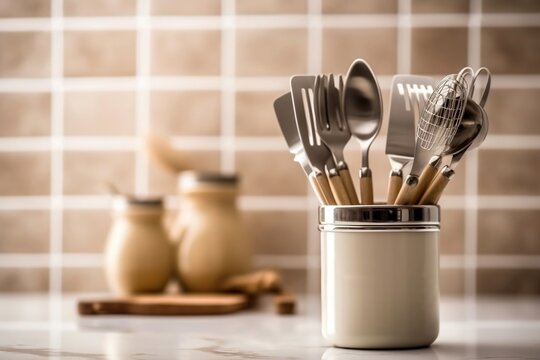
(404, 37)
(228, 108)
(142, 106)
(264, 21)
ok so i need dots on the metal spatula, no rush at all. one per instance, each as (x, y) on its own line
(400, 141)
(285, 114)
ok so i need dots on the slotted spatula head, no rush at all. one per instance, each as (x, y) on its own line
(406, 92)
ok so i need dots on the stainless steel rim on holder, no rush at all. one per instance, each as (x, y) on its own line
(379, 217)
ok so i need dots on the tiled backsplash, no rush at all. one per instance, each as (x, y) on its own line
(82, 80)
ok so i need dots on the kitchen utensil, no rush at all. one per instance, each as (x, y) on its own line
(284, 110)
(472, 132)
(160, 149)
(407, 92)
(363, 110)
(321, 126)
(184, 304)
(334, 132)
(303, 95)
(437, 125)
(480, 94)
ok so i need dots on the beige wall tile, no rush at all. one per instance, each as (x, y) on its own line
(85, 231)
(24, 280)
(164, 182)
(278, 232)
(24, 231)
(88, 173)
(185, 7)
(99, 113)
(508, 172)
(268, 7)
(452, 281)
(513, 111)
(28, 55)
(186, 52)
(79, 280)
(26, 8)
(452, 237)
(99, 53)
(508, 232)
(24, 173)
(514, 6)
(255, 114)
(186, 112)
(270, 173)
(508, 50)
(438, 50)
(267, 52)
(376, 45)
(437, 7)
(25, 114)
(359, 7)
(508, 281)
(100, 7)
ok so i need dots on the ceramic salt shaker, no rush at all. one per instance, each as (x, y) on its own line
(209, 235)
(138, 253)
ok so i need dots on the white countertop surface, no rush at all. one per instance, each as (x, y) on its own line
(39, 327)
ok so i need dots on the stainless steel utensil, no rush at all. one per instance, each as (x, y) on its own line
(303, 95)
(334, 131)
(480, 94)
(407, 92)
(363, 110)
(472, 132)
(284, 110)
(437, 125)
(322, 125)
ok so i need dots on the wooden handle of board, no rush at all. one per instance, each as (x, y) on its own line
(394, 184)
(255, 283)
(326, 191)
(437, 186)
(366, 187)
(426, 177)
(338, 189)
(349, 186)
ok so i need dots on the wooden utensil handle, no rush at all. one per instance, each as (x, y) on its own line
(436, 188)
(394, 184)
(407, 191)
(317, 190)
(427, 175)
(366, 187)
(349, 186)
(326, 191)
(254, 283)
(338, 189)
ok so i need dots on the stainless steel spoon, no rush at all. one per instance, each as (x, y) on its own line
(363, 110)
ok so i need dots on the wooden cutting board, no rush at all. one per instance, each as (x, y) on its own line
(178, 304)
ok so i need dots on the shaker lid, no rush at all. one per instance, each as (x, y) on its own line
(123, 202)
(189, 178)
(375, 215)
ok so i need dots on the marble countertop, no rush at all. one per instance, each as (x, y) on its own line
(40, 327)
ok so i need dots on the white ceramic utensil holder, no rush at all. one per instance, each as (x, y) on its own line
(380, 267)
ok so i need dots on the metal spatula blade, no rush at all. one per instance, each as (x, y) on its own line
(407, 92)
